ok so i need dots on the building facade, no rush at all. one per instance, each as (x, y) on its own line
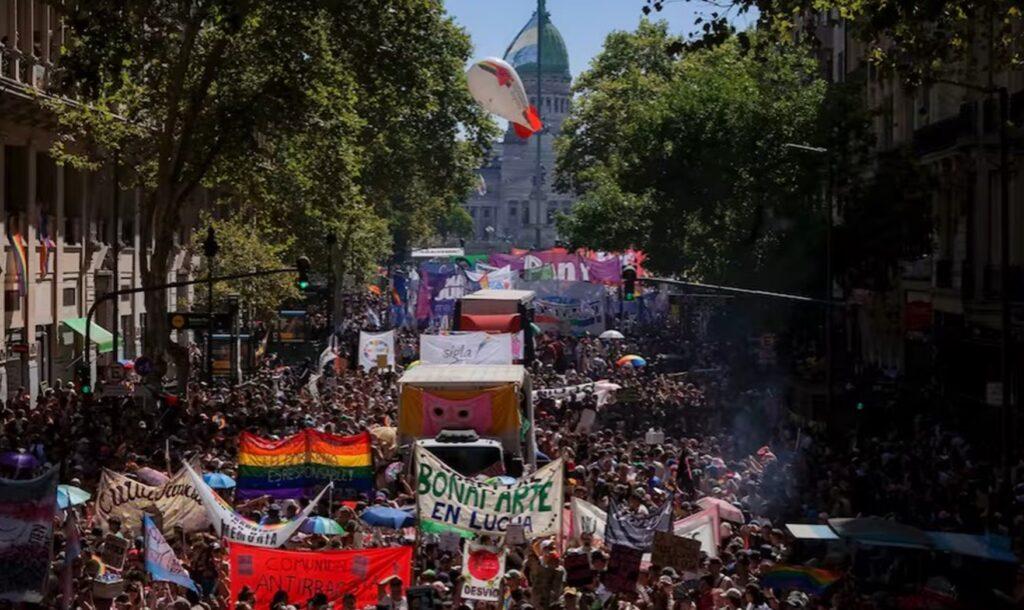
(58, 225)
(509, 209)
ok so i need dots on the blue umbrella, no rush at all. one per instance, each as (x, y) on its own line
(69, 495)
(218, 480)
(384, 516)
(322, 525)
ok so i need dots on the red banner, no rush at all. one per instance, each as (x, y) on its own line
(303, 574)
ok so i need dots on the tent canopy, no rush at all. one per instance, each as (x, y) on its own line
(881, 532)
(810, 531)
(97, 334)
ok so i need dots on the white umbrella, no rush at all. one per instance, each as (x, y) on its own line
(611, 334)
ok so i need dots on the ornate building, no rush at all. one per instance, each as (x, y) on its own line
(507, 210)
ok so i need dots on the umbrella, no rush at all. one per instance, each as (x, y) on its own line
(725, 510)
(611, 334)
(218, 480)
(69, 495)
(631, 360)
(384, 516)
(19, 461)
(322, 525)
(151, 476)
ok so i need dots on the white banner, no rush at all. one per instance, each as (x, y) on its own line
(702, 527)
(466, 348)
(446, 497)
(376, 349)
(482, 570)
(588, 518)
(602, 389)
(177, 501)
(229, 524)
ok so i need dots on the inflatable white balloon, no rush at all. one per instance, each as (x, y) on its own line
(495, 84)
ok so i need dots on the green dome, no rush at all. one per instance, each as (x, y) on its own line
(522, 53)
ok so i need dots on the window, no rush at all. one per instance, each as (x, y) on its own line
(526, 215)
(513, 212)
(472, 212)
(12, 300)
(69, 299)
(126, 297)
(487, 213)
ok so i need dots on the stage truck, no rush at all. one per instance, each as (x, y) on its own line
(463, 413)
(500, 311)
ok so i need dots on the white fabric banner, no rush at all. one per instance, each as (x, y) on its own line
(237, 528)
(482, 570)
(373, 346)
(602, 389)
(588, 518)
(446, 497)
(701, 527)
(466, 348)
(177, 502)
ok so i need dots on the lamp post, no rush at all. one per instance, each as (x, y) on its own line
(827, 203)
(210, 249)
(538, 175)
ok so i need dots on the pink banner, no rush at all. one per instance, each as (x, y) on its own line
(440, 413)
(571, 267)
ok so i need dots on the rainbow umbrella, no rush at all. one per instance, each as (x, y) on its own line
(322, 525)
(631, 360)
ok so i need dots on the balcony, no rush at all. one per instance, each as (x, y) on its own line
(944, 134)
(943, 273)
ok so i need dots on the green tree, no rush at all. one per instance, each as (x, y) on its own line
(456, 223)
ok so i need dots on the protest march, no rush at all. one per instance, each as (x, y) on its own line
(576, 453)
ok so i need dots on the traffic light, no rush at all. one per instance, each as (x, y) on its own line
(302, 266)
(628, 283)
(82, 379)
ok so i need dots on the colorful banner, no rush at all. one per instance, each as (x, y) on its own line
(635, 530)
(161, 563)
(176, 501)
(236, 528)
(491, 278)
(813, 581)
(492, 412)
(564, 266)
(20, 255)
(376, 350)
(26, 536)
(301, 574)
(447, 498)
(441, 284)
(482, 570)
(466, 348)
(568, 308)
(302, 463)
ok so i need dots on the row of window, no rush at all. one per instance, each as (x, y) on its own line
(559, 105)
(486, 214)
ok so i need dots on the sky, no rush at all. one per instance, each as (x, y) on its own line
(583, 23)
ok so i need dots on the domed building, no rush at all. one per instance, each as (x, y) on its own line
(506, 209)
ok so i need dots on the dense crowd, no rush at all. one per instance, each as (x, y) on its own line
(714, 437)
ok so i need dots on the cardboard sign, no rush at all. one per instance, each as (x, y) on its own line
(115, 551)
(577, 570)
(515, 535)
(623, 569)
(449, 542)
(677, 552)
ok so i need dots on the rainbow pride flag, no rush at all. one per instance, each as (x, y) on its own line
(298, 465)
(814, 581)
(20, 252)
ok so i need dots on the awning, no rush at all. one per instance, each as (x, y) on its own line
(881, 532)
(500, 323)
(811, 531)
(97, 334)
(992, 547)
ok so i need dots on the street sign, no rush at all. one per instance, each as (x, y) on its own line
(189, 320)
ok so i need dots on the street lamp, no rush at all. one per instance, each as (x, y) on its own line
(827, 203)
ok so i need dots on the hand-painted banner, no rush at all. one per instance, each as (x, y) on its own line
(301, 574)
(635, 530)
(482, 570)
(161, 563)
(376, 350)
(588, 518)
(491, 278)
(177, 501)
(568, 308)
(441, 284)
(26, 536)
(302, 463)
(565, 266)
(492, 412)
(446, 497)
(703, 527)
(602, 389)
(236, 528)
(466, 348)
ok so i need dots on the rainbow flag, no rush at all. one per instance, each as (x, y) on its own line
(296, 466)
(20, 253)
(800, 578)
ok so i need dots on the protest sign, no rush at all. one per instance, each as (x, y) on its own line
(229, 524)
(161, 563)
(578, 572)
(177, 501)
(374, 345)
(447, 498)
(635, 530)
(677, 552)
(302, 573)
(26, 523)
(587, 518)
(568, 308)
(449, 542)
(515, 535)
(115, 551)
(482, 570)
(466, 348)
(702, 527)
(564, 266)
(623, 569)
(602, 390)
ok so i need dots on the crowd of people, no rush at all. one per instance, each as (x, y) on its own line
(714, 438)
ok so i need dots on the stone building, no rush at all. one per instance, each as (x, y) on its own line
(57, 224)
(506, 210)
